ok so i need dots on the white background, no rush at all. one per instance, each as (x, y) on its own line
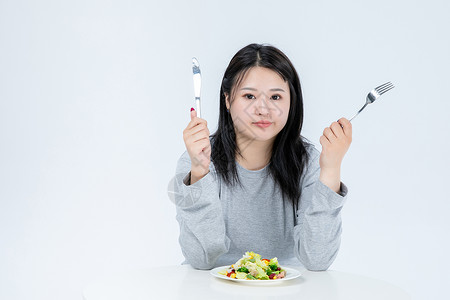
(94, 96)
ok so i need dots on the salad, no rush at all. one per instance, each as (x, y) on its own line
(252, 267)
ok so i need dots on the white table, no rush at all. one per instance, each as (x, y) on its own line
(184, 282)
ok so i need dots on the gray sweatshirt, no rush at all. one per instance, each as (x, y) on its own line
(219, 223)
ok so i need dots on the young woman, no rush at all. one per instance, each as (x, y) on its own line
(256, 184)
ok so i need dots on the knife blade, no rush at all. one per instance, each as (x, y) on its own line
(197, 83)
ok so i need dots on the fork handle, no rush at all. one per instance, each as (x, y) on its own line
(359, 111)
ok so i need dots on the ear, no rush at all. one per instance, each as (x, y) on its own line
(227, 102)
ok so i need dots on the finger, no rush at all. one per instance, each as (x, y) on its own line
(198, 128)
(328, 133)
(324, 141)
(346, 126)
(200, 146)
(337, 129)
(206, 146)
(207, 150)
(199, 136)
(195, 120)
(193, 127)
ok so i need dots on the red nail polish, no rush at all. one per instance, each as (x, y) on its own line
(192, 109)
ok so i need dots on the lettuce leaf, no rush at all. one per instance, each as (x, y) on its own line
(241, 275)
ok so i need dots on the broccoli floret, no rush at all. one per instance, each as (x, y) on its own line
(273, 266)
(243, 269)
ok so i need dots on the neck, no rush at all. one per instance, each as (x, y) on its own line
(255, 154)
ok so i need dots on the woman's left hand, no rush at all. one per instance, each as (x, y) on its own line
(335, 142)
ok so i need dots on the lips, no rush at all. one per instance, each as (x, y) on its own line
(263, 124)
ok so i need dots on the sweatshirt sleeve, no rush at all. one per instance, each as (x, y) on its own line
(317, 234)
(199, 214)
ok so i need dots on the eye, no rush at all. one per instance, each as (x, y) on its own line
(249, 96)
(276, 97)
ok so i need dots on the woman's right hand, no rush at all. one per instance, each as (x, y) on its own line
(198, 146)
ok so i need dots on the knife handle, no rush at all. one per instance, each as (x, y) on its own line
(197, 101)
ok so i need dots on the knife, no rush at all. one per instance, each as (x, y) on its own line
(197, 83)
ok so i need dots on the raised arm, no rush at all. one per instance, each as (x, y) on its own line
(199, 212)
(317, 234)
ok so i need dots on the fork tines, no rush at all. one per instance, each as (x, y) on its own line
(384, 88)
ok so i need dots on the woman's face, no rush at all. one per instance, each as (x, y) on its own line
(262, 97)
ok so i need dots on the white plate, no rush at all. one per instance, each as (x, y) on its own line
(290, 274)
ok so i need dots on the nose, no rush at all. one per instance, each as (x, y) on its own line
(261, 105)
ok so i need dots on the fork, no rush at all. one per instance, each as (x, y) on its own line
(375, 94)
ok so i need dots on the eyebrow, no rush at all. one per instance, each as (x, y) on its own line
(273, 90)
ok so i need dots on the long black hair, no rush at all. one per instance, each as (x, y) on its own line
(289, 156)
